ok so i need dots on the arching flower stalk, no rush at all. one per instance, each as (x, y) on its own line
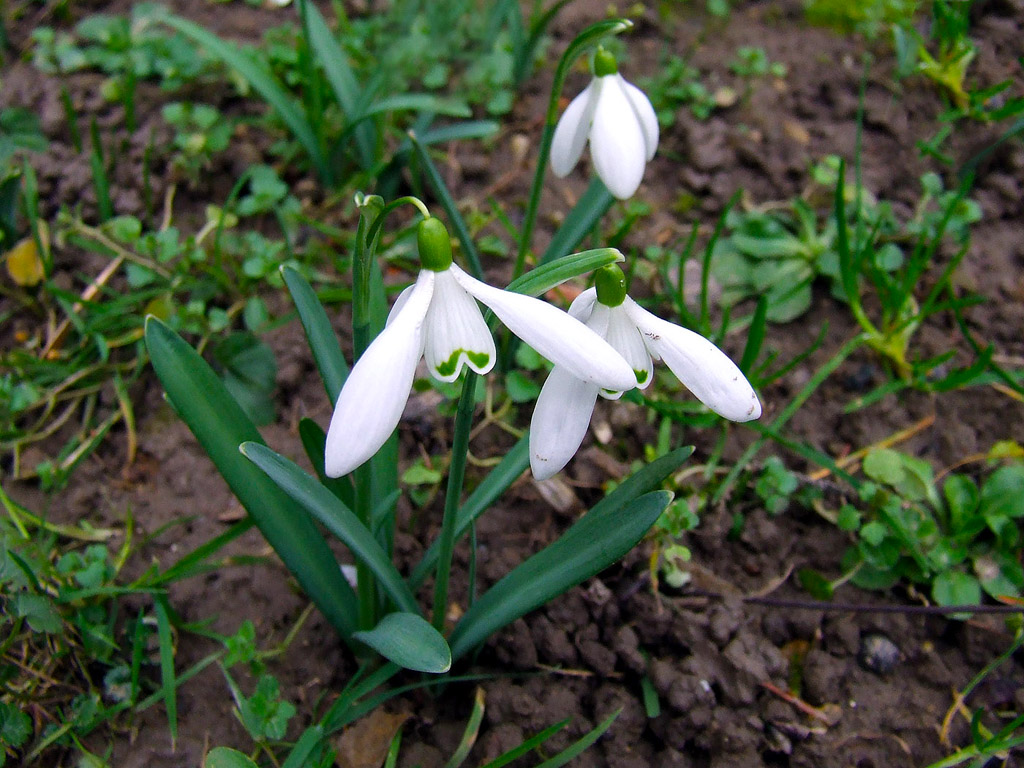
(566, 402)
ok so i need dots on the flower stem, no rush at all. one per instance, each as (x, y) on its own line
(587, 37)
(456, 474)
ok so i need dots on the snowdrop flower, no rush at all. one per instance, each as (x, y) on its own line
(619, 121)
(437, 318)
(566, 402)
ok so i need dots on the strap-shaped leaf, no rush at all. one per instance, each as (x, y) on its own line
(409, 641)
(219, 425)
(263, 82)
(321, 337)
(314, 441)
(594, 204)
(496, 483)
(539, 281)
(339, 519)
(647, 479)
(588, 547)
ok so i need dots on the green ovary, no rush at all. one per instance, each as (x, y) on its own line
(478, 359)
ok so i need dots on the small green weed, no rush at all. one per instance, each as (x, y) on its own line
(678, 85)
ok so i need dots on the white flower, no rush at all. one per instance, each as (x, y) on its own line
(620, 122)
(437, 318)
(566, 402)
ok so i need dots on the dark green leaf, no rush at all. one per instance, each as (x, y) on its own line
(588, 547)
(223, 757)
(319, 502)
(410, 641)
(220, 426)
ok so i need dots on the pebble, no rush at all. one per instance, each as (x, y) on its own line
(878, 653)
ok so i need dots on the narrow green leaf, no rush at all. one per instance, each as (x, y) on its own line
(596, 541)
(308, 741)
(314, 441)
(347, 90)
(223, 757)
(589, 210)
(496, 483)
(449, 206)
(417, 102)
(408, 640)
(527, 746)
(319, 333)
(168, 686)
(474, 129)
(219, 425)
(469, 736)
(263, 82)
(582, 745)
(319, 502)
(539, 281)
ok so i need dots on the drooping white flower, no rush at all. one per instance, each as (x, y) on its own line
(618, 119)
(566, 402)
(437, 318)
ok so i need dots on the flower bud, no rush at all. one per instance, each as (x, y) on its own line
(434, 244)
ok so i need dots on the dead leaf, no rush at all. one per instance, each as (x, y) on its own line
(365, 744)
(24, 264)
(558, 494)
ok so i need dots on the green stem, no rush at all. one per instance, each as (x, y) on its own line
(366, 584)
(576, 48)
(456, 474)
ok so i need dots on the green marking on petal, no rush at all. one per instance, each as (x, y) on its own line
(449, 366)
(641, 376)
(479, 359)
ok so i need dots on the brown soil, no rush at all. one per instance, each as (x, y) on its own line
(708, 659)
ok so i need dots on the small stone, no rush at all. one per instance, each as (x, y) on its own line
(878, 653)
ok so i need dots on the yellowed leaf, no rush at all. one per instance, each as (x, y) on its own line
(365, 743)
(24, 264)
(796, 132)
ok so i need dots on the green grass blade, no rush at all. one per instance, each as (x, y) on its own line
(100, 180)
(225, 757)
(410, 641)
(319, 502)
(474, 129)
(193, 562)
(581, 219)
(200, 398)
(539, 281)
(310, 739)
(450, 208)
(531, 743)
(496, 483)
(648, 478)
(582, 745)
(588, 547)
(417, 102)
(347, 90)
(469, 736)
(264, 83)
(321, 337)
(167, 684)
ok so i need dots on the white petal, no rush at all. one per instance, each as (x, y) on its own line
(622, 334)
(617, 144)
(556, 336)
(572, 130)
(583, 305)
(455, 333)
(699, 364)
(645, 115)
(396, 309)
(371, 402)
(559, 422)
